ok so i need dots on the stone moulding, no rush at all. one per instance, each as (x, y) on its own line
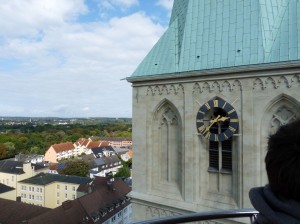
(217, 86)
(172, 89)
(275, 82)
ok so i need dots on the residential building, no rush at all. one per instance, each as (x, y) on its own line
(60, 151)
(85, 145)
(124, 153)
(103, 151)
(109, 196)
(117, 141)
(13, 171)
(7, 192)
(102, 161)
(29, 158)
(56, 168)
(49, 190)
(103, 201)
(220, 80)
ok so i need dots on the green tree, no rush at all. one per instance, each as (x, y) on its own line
(76, 168)
(2, 151)
(124, 171)
(10, 149)
(36, 150)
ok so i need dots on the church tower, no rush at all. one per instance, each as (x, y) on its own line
(223, 77)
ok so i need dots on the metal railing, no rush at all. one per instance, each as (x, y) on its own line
(204, 216)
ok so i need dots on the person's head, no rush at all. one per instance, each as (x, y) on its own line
(283, 161)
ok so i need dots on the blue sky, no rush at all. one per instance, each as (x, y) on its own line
(66, 58)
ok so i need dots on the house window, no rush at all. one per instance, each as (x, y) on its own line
(57, 202)
(73, 196)
(57, 194)
(113, 218)
(66, 187)
(66, 196)
(73, 188)
(32, 188)
(29, 188)
(57, 187)
(220, 153)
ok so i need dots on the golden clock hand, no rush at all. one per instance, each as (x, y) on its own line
(223, 118)
(212, 123)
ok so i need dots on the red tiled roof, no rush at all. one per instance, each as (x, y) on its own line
(105, 143)
(53, 166)
(130, 153)
(63, 146)
(93, 144)
(82, 141)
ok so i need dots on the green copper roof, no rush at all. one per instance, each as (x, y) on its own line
(210, 34)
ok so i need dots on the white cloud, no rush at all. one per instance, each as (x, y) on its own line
(66, 68)
(111, 4)
(29, 17)
(168, 4)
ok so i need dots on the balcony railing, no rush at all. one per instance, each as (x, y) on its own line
(204, 216)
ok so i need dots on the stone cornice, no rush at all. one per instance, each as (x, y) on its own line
(240, 72)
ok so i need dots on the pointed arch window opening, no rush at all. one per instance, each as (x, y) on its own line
(169, 122)
(282, 116)
(220, 153)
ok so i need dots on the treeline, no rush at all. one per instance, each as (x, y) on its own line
(37, 139)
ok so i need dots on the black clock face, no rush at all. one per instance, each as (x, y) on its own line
(217, 120)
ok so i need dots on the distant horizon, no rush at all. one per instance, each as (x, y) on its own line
(66, 117)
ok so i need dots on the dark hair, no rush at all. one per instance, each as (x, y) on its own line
(283, 161)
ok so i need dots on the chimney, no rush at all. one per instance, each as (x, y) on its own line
(110, 183)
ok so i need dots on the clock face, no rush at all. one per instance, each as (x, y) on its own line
(217, 120)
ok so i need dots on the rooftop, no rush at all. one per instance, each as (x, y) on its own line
(47, 178)
(63, 146)
(205, 35)
(10, 166)
(18, 212)
(4, 188)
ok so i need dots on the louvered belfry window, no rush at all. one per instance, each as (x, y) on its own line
(220, 153)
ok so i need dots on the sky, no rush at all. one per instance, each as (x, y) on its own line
(67, 58)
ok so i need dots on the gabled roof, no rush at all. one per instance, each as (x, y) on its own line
(204, 35)
(118, 139)
(82, 209)
(27, 157)
(57, 166)
(47, 178)
(65, 146)
(4, 188)
(100, 150)
(121, 151)
(18, 212)
(10, 166)
(82, 142)
(111, 160)
(95, 144)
